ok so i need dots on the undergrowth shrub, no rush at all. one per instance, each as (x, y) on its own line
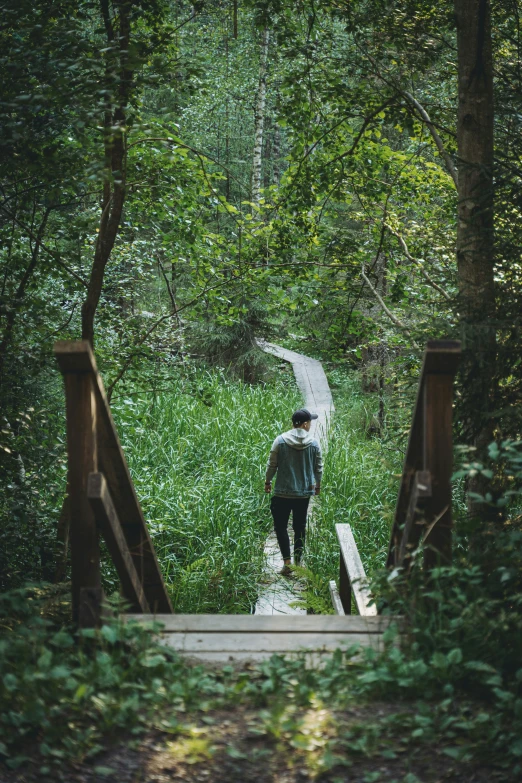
(64, 695)
(233, 345)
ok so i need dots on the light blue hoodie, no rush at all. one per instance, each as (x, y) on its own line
(296, 457)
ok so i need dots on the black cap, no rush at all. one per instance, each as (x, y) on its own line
(302, 415)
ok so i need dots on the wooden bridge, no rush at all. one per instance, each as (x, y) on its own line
(103, 502)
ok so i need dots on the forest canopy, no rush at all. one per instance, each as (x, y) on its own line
(179, 179)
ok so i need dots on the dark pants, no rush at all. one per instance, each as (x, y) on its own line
(281, 508)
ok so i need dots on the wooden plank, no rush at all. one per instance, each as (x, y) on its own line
(77, 357)
(438, 459)
(355, 571)
(259, 624)
(312, 660)
(412, 530)
(412, 463)
(109, 524)
(87, 596)
(336, 598)
(440, 357)
(268, 642)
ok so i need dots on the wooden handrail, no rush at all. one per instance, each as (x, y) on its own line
(352, 578)
(423, 507)
(103, 503)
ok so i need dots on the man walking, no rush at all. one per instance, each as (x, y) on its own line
(296, 458)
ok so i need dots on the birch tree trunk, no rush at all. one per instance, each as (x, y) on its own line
(276, 154)
(260, 118)
(475, 252)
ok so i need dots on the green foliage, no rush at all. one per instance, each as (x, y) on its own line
(234, 345)
(33, 468)
(453, 675)
(67, 693)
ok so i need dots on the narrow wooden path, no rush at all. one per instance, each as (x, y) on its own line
(279, 593)
(103, 501)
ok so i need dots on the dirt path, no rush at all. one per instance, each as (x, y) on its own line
(277, 594)
(245, 744)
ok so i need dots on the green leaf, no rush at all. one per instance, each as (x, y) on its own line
(455, 655)
(109, 634)
(10, 682)
(439, 660)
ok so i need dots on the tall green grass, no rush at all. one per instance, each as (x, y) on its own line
(197, 455)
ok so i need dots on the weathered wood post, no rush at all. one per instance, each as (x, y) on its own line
(423, 511)
(102, 497)
(87, 593)
(345, 588)
(438, 461)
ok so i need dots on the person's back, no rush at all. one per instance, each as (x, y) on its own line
(296, 458)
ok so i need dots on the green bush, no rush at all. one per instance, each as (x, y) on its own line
(64, 694)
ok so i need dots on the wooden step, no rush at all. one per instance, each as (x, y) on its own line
(220, 638)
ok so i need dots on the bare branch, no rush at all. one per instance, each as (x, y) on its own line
(419, 264)
(436, 138)
(170, 292)
(43, 247)
(393, 318)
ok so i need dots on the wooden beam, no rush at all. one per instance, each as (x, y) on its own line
(87, 595)
(229, 638)
(77, 357)
(354, 571)
(256, 624)
(336, 598)
(438, 459)
(412, 463)
(110, 527)
(234, 643)
(412, 529)
(441, 358)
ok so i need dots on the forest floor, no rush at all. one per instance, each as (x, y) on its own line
(237, 745)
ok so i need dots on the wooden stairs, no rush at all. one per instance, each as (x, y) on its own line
(103, 502)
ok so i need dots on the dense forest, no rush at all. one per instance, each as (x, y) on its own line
(341, 177)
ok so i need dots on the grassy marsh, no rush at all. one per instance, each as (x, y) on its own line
(197, 454)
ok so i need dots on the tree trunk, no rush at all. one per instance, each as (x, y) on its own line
(113, 199)
(475, 259)
(260, 118)
(276, 154)
(115, 162)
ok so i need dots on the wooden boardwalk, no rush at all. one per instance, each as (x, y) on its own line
(279, 593)
(103, 502)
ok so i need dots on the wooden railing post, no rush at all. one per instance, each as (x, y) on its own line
(345, 588)
(106, 503)
(87, 595)
(438, 459)
(423, 511)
